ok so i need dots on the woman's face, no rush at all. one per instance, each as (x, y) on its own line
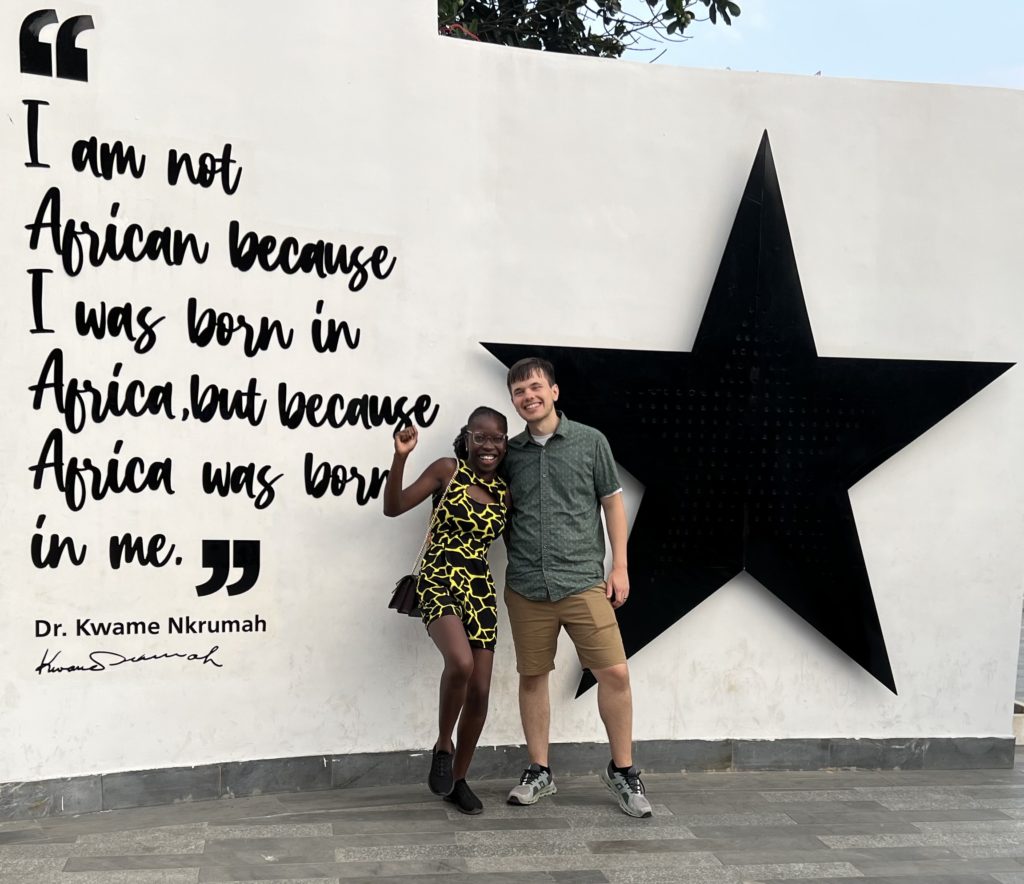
(486, 441)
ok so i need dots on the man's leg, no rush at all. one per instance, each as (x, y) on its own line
(615, 704)
(535, 630)
(535, 635)
(535, 712)
(591, 623)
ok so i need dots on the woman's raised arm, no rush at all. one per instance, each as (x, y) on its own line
(397, 499)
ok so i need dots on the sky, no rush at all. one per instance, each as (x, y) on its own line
(927, 41)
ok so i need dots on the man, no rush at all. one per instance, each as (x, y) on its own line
(562, 475)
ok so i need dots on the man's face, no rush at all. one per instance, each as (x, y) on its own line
(534, 398)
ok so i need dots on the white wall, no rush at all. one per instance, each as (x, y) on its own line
(527, 198)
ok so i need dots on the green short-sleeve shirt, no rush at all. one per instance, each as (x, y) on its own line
(556, 537)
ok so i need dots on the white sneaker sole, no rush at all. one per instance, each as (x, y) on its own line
(550, 789)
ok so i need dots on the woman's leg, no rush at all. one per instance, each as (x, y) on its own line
(474, 711)
(449, 635)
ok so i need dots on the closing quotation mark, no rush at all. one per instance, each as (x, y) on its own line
(217, 556)
(37, 57)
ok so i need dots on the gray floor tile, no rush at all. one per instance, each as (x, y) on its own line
(825, 855)
(583, 876)
(571, 841)
(919, 827)
(705, 820)
(939, 839)
(791, 796)
(899, 879)
(210, 812)
(270, 830)
(408, 873)
(706, 845)
(395, 839)
(34, 836)
(459, 823)
(959, 816)
(15, 868)
(1015, 850)
(388, 852)
(642, 875)
(331, 872)
(605, 808)
(10, 852)
(1005, 826)
(156, 876)
(681, 863)
(262, 851)
(721, 801)
(18, 825)
(978, 865)
(134, 861)
(189, 838)
(853, 828)
(883, 815)
(292, 880)
(796, 871)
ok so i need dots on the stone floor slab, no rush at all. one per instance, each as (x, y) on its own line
(879, 868)
(918, 827)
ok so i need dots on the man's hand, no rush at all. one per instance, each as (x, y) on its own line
(618, 586)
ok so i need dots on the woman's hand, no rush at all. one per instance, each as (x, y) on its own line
(405, 440)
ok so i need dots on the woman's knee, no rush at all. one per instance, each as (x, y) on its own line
(458, 667)
(479, 691)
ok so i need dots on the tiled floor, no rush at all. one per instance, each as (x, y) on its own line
(913, 827)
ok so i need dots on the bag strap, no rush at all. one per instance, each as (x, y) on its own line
(418, 561)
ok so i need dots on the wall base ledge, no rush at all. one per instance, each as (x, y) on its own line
(236, 779)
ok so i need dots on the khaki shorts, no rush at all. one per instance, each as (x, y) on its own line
(587, 616)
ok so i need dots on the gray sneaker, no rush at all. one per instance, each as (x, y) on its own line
(534, 784)
(628, 790)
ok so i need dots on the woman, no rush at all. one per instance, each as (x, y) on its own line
(455, 590)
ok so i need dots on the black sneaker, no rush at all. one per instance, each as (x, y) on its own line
(464, 799)
(440, 779)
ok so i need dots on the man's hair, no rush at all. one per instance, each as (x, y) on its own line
(524, 368)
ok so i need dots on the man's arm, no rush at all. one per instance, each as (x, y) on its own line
(618, 531)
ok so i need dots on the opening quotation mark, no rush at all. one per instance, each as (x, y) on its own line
(218, 555)
(37, 57)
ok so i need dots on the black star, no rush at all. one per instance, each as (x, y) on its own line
(747, 445)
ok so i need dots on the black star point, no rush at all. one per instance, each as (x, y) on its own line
(748, 444)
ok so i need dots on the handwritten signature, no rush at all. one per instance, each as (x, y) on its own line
(99, 661)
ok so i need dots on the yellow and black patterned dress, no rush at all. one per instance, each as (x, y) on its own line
(454, 576)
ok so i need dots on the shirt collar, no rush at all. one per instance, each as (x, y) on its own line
(564, 428)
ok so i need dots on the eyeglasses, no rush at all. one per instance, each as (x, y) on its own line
(484, 438)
